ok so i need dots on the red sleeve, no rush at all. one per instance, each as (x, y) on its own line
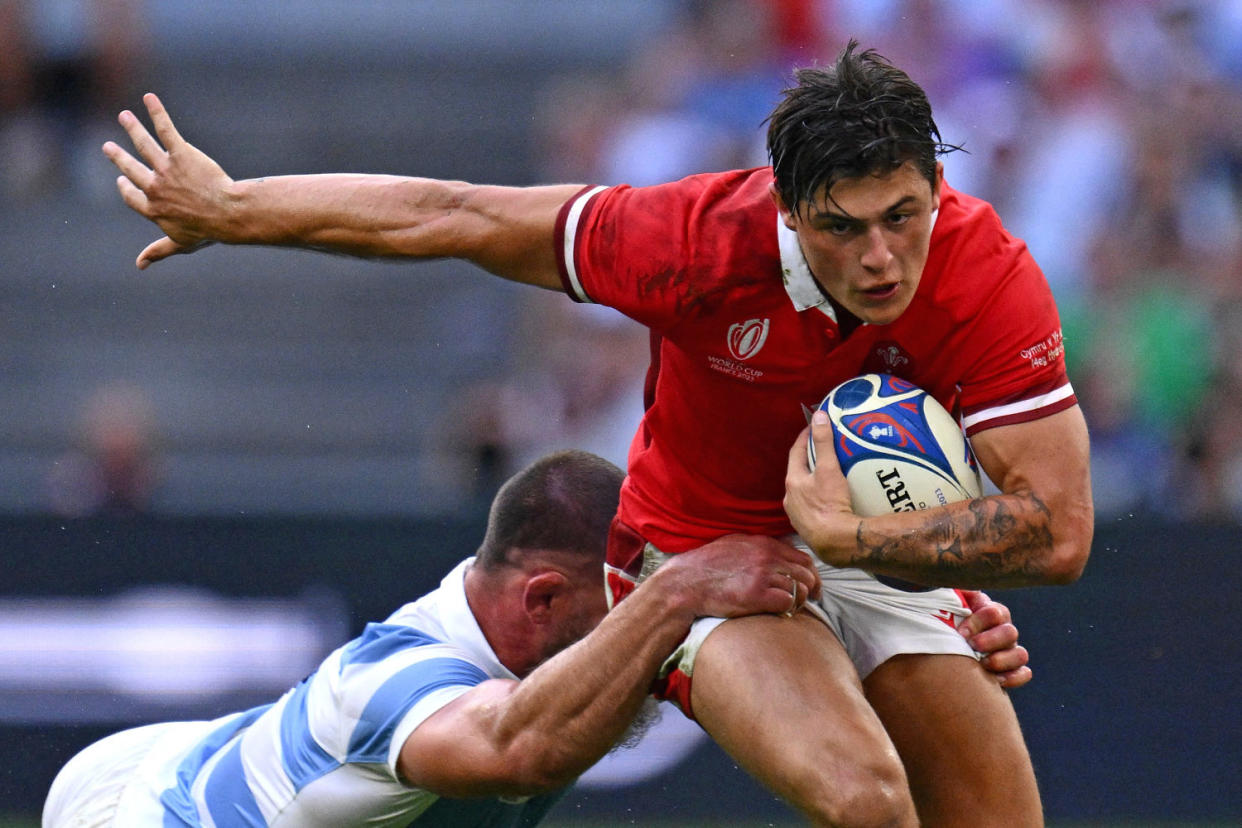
(652, 252)
(1012, 349)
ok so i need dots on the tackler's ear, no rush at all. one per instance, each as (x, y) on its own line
(541, 593)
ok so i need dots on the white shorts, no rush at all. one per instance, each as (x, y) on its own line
(873, 621)
(104, 785)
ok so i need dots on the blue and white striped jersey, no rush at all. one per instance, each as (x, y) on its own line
(325, 754)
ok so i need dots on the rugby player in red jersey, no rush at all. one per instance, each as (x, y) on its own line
(763, 289)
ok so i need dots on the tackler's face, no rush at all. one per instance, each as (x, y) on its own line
(580, 611)
(866, 239)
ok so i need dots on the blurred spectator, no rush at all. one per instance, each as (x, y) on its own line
(575, 381)
(696, 99)
(114, 471)
(66, 68)
(1075, 149)
(1165, 262)
(1211, 484)
(574, 117)
(1132, 464)
(586, 387)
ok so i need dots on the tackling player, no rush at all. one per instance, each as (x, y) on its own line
(422, 720)
(763, 289)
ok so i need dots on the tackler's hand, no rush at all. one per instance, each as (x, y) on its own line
(990, 631)
(744, 575)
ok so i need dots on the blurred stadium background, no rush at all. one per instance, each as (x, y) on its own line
(214, 471)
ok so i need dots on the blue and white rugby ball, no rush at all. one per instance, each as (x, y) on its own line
(899, 449)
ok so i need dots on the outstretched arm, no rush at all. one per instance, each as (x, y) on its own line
(507, 738)
(1037, 531)
(508, 231)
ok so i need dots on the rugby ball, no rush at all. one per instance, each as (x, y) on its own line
(899, 449)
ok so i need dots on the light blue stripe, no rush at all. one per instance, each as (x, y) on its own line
(179, 808)
(229, 799)
(371, 737)
(379, 641)
(304, 759)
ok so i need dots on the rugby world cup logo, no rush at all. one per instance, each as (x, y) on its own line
(746, 338)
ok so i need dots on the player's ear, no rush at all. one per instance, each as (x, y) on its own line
(542, 591)
(939, 179)
(781, 207)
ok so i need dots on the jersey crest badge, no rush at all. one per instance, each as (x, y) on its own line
(746, 338)
(888, 358)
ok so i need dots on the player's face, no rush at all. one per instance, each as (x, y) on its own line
(866, 240)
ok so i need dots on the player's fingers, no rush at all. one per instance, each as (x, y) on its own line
(976, 599)
(815, 586)
(133, 197)
(985, 616)
(797, 563)
(1015, 678)
(792, 592)
(994, 639)
(160, 119)
(805, 573)
(801, 569)
(1007, 659)
(133, 169)
(797, 455)
(157, 250)
(821, 435)
(146, 146)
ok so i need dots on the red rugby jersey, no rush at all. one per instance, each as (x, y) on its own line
(743, 338)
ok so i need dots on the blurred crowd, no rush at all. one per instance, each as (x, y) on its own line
(1107, 133)
(66, 68)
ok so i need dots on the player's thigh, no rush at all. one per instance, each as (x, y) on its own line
(959, 739)
(781, 696)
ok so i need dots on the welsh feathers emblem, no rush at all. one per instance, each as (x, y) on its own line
(888, 357)
(746, 338)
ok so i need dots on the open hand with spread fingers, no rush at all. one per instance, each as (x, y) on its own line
(179, 187)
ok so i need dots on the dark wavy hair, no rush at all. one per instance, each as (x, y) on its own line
(862, 116)
(563, 502)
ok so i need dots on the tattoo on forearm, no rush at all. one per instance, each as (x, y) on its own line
(993, 541)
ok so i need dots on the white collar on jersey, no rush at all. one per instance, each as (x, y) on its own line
(446, 613)
(801, 286)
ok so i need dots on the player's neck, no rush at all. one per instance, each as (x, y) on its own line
(496, 603)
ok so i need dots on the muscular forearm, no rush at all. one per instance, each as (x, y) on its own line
(999, 541)
(518, 738)
(569, 712)
(364, 215)
(505, 230)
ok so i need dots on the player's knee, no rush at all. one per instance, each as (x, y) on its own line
(865, 797)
